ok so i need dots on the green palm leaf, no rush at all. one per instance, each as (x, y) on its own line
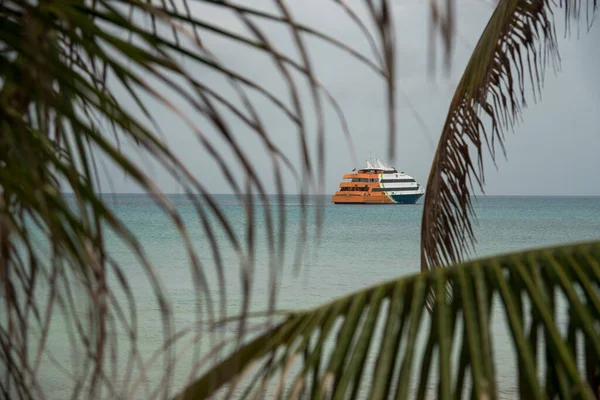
(510, 58)
(524, 287)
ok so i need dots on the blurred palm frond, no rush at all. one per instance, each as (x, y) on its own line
(509, 60)
(78, 83)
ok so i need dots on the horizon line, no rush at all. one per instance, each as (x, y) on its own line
(327, 194)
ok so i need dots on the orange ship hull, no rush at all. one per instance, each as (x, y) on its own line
(360, 198)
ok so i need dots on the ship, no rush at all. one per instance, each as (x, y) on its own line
(378, 184)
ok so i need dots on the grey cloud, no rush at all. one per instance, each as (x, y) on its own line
(557, 142)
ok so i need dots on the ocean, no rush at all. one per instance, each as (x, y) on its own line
(357, 246)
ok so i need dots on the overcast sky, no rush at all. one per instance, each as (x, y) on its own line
(554, 151)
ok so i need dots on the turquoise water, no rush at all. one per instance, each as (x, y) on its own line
(358, 246)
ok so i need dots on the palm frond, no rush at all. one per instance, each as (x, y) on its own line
(68, 70)
(369, 342)
(516, 47)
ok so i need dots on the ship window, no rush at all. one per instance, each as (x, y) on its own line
(364, 180)
(354, 189)
(401, 189)
(390, 172)
(397, 180)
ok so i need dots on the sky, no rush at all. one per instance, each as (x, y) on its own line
(555, 150)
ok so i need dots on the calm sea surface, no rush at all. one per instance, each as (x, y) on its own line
(358, 246)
